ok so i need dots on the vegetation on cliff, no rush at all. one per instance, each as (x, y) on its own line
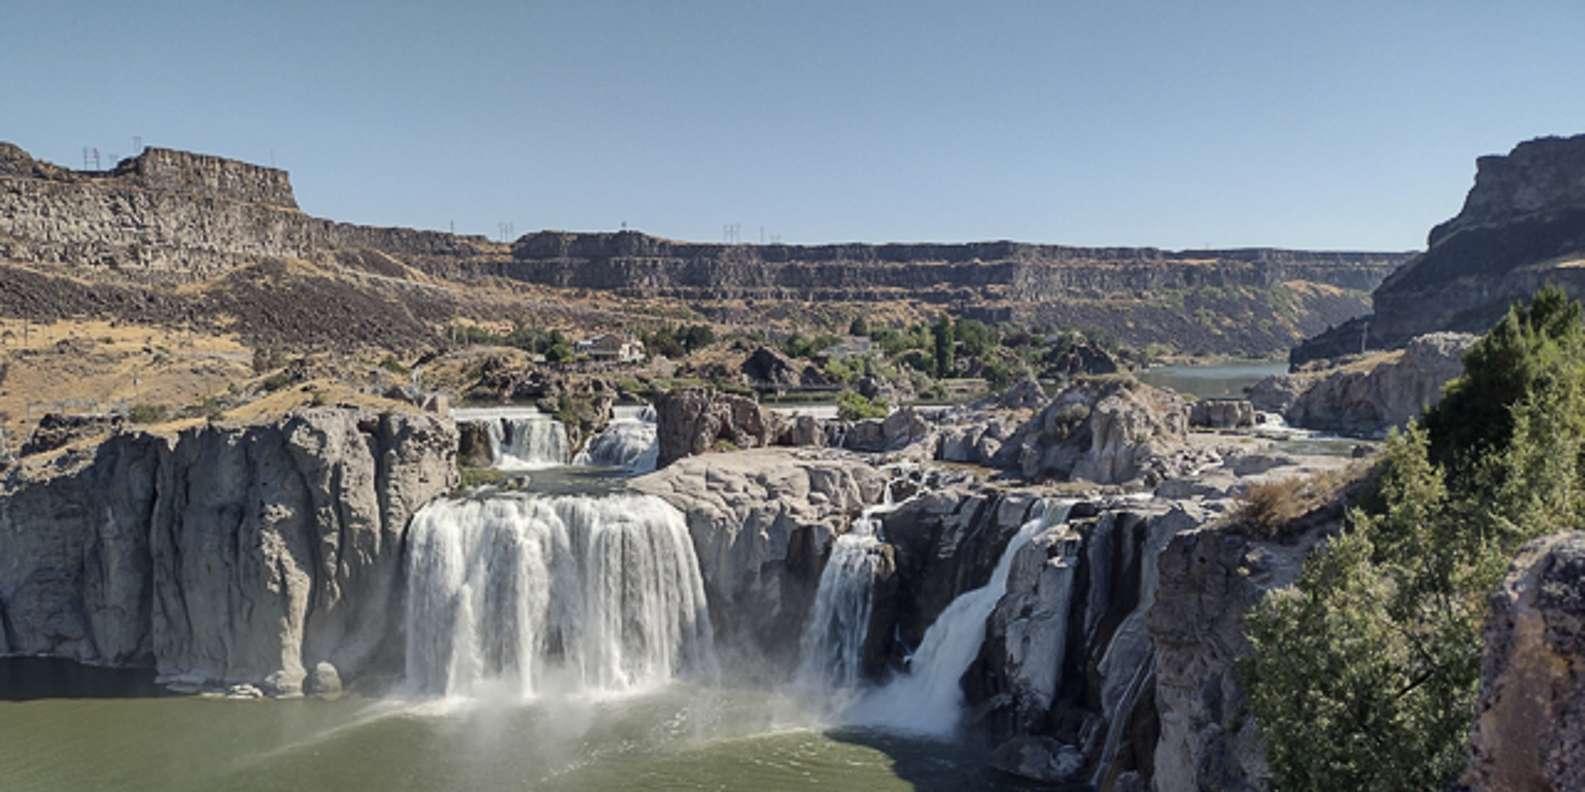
(1364, 675)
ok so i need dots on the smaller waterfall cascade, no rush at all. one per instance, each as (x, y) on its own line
(929, 699)
(520, 438)
(574, 593)
(832, 648)
(628, 441)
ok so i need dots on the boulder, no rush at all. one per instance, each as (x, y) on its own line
(1529, 731)
(1109, 431)
(902, 428)
(1222, 414)
(324, 681)
(699, 420)
(770, 369)
(1042, 759)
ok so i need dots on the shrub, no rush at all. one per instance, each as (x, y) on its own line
(1267, 507)
(147, 413)
(852, 406)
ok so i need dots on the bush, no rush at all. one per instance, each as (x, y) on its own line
(852, 406)
(147, 413)
(1265, 508)
(391, 364)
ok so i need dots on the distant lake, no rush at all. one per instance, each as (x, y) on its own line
(1225, 380)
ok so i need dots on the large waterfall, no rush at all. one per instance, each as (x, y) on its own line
(928, 699)
(628, 442)
(577, 593)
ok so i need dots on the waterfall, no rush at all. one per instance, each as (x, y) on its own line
(929, 699)
(520, 438)
(628, 442)
(571, 594)
(832, 648)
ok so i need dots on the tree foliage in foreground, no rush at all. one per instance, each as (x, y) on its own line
(1364, 674)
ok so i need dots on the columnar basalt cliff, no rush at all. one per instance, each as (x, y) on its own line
(1282, 292)
(1522, 226)
(220, 554)
(170, 217)
(177, 216)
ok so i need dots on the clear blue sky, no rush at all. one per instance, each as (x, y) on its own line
(1327, 124)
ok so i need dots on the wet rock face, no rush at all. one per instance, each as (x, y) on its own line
(1529, 729)
(762, 522)
(243, 554)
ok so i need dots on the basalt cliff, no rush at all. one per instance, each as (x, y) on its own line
(170, 237)
(1522, 226)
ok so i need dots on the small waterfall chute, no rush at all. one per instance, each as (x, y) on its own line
(575, 593)
(831, 651)
(629, 442)
(520, 438)
(929, 699)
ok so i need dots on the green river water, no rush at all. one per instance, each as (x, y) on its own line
(65, 728)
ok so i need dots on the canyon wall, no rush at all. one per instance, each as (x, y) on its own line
(175, 216)
(1522, 226)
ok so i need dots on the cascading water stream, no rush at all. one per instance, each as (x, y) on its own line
(575, 594)
(929, 699)
(832, 647)
(628, 441)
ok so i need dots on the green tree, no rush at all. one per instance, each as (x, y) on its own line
(945, 346)
(1364, 674)
(1531, 344)
(859, 326)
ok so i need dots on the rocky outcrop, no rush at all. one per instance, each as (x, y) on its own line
(1209, 580)
(768, 369)
(1222, 414)
(1529, 731)
(762, 522)
(1068, 656)
(1109, 430)
(220, 554)
(699, 420)
(1522, 226)
(55, 430)
(1367, 397)
(177, 216)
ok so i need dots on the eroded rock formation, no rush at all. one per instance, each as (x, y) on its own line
(1366, 397)
(220, 554)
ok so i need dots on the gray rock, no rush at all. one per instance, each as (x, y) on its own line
(1107, 431)
(1041, 759)
(699, 420)
(325, 681)
(761, 522)
(1529, 728)
(221, 554)
(1365, 400)
(1222, 414)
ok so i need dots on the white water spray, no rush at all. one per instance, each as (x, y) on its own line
(572, 594)
(832, 648)
(628, 441)
(929, 699)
